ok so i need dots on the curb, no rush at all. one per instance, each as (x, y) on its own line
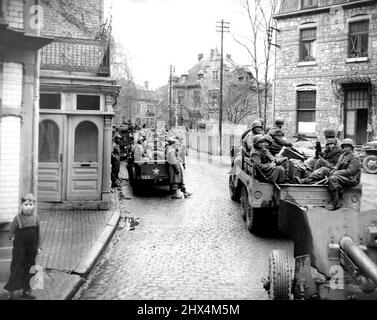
(99, 245)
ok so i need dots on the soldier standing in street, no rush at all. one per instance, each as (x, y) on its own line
(182, 151)
(175, 170)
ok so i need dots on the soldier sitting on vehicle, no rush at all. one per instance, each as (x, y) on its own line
(328, 160)
(277, 135)
(175, 170)
(247, 141)
(139, 150)
(345, 174)
(268, 169)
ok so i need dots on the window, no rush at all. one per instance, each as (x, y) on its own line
(197, 100)
(200, 75)
(215, 75)
(213, 96)
(48, 141)
(86, 102)
(86, 142)
(306, 102)
(181, 97)
(308, 39)
(358, 39)
(308, 3)
(50, 101)
(3, 5)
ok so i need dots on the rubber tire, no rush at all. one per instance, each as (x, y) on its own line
(135, 183)
(279, 274)
(234, 191)
(244, 202)
(365, 164)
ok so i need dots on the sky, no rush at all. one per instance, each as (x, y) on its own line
(160, 33)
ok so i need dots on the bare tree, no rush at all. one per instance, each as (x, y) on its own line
(262, 25)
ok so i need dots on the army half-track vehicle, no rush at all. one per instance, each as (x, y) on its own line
(335, 252)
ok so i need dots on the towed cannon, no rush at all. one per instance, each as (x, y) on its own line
(335, 254)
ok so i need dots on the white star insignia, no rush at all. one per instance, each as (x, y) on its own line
(156, 171)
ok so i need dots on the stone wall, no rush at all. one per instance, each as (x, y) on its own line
(331, 63)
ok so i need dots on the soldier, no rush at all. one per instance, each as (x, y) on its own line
(140, 150)
(329, 158)
(182, 151)
(175, 170)
(277, 135)
(256, 128)
(266, 165)
(346, 173)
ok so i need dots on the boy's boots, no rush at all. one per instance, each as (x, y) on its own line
(176, 195)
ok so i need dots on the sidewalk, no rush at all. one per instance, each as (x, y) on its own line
(72, 242)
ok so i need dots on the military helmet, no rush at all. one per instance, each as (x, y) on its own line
(256, 124)
(348, 142)
(268, 138)
(258, 138)
(279, 121)
(331, 133)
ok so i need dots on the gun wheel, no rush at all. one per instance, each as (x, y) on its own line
(279, 276)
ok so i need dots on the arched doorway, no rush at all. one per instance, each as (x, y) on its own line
(85, 159)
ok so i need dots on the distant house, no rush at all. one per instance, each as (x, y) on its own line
(326, 67)
(196, 94)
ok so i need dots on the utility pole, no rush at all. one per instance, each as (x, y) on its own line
(170, 96)
(222, 27)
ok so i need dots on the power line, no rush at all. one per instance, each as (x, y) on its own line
(222, 26)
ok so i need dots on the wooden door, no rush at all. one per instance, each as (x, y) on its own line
(85, 149)
(50, 160)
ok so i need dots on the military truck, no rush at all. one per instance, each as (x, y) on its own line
(260, 201)
(149, 172)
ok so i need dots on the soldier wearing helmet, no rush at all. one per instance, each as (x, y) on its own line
(277, 135)
(255, 129)
(346, 173)
(265, 164)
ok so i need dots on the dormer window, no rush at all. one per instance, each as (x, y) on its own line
(200, 75)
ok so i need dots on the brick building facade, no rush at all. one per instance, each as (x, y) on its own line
(326, 67)
(19, 45)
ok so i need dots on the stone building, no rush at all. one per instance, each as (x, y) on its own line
(326, 67)
(136, 103)
(76, 107)
(20, 41)
(196, 94)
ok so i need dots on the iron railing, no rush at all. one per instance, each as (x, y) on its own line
(80, 55)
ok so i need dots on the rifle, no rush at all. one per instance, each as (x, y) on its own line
(269, 180)
(318, 149)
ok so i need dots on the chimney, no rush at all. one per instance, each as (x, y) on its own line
(229, 56)
(200, 56)
(146, 85)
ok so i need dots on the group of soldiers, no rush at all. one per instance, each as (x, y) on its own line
(337, 166)
(159, 145)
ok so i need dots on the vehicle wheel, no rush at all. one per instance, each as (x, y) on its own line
(370, 164)
(233, 190)
(244, 202)
(279, 276)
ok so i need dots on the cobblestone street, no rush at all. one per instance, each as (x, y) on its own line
(196, 248)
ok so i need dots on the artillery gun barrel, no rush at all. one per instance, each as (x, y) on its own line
(359, 258)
